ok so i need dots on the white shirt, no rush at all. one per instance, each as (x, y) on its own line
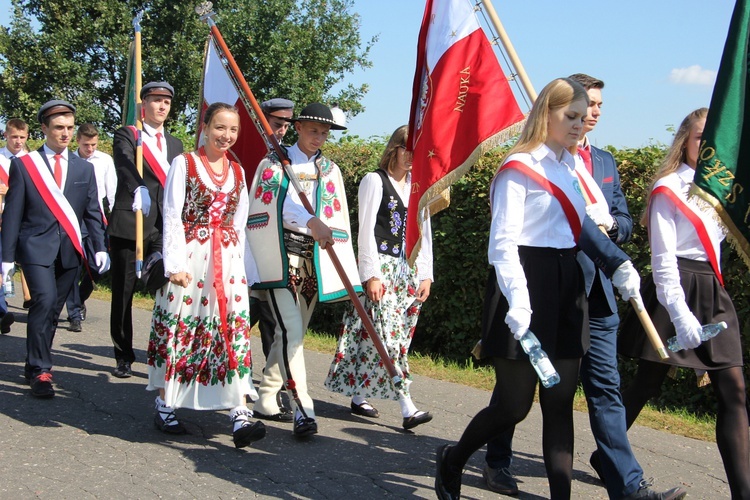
(294, 214)
(524, 213)
(149, 138)
(672, 235)
(63, 163)
(106, 176)
(6, 153)
(370, 197)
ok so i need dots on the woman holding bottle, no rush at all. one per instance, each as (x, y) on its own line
(684, 292)
(537, 285)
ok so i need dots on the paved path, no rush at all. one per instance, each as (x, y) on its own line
(96, 438)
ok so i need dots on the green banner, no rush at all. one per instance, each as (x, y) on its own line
(722, 175)
(128, 102)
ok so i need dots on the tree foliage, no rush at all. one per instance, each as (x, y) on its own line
(78, 51)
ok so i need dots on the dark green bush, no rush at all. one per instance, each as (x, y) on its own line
(450, 321)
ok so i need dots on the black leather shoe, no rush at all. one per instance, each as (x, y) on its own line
(41, 386)
(596, 464)
(419, 418)
(123, 369)
(166, 425)
(7, 320)
(360, 410)
(248, 433)
(304, 427)
(447, 483)
(500, 480)
(284, 417)
(75, 325)
(644, 491)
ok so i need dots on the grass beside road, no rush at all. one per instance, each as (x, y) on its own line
(681, 422)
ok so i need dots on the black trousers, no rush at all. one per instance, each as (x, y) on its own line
(49, 286)
(122, 255)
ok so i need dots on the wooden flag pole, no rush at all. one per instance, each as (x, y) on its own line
(139, 141)
(204, 10)
(508, 46)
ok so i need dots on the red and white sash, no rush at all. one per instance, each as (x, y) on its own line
(700, 228)
(574, 218)
(158, 166)
(4, 169)
(53, 197)
(590, 190)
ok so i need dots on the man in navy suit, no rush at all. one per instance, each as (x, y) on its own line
(614, 462)
(134, 193)
(51, 194)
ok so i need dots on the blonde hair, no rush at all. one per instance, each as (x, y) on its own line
(390, 155)
(677, 154)
(556, 94)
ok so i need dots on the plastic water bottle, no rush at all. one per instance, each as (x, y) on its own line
(707, 332)
(9, 287)
(539, 359)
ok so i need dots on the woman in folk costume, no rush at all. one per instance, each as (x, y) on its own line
(684, 292)
(199, 350)
(395, 292)
(538, 220)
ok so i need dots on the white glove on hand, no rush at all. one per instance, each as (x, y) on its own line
(688, 330)
(102, 261)
(8, 269)
(518, 320)
(141, 200)
(599, 213)
(627, 281)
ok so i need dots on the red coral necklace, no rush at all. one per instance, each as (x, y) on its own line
(220, 178)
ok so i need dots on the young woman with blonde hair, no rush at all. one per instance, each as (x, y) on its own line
(684, 292)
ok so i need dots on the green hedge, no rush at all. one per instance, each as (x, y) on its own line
(450, 321)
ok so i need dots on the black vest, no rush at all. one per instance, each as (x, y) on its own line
(391, 219)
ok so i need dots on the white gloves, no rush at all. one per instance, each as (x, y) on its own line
(8, 269)
(599, 213)
(627, 281)
(685, 323)
(141, 200)
(102, 262)
(518, 318)
(688, 330)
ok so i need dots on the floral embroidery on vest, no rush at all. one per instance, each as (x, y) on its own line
(329, 198)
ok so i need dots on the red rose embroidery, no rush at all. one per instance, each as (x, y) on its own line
(267, 197)
(337, 205)
(267, 174)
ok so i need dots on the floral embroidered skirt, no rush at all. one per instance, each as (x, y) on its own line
(356, 369)
(187, 351)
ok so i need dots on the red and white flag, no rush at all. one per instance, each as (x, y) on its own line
(462, 105)
(219, 86)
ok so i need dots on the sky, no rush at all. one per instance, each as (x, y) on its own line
(658, 59)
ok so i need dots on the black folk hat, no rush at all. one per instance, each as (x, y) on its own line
(157, 88)
(54, 107)
(320, 113)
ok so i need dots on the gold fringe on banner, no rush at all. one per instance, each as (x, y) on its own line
(734, 235)
(437, 196)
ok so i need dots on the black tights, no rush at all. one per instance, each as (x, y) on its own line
(731, 419)
(515, 386)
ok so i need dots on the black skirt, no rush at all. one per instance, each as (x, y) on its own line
(558, 301)
(710, 303)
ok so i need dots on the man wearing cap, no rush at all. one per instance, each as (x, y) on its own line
(51, 193)
(137, 193)
(278, 113)
(286, 241)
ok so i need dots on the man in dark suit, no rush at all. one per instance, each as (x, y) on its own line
(137, 193)
(51, 194)
(614, 462)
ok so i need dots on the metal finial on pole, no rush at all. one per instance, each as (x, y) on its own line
(205, 11)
